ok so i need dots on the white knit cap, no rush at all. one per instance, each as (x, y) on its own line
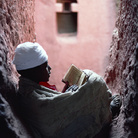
(29, 55)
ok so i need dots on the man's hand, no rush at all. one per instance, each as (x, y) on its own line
(72, 88)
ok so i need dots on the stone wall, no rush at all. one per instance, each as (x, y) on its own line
(16, 26)
(122, 72)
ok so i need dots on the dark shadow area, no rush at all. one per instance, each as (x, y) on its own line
(104, 133)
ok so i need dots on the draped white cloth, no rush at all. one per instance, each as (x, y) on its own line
(52, 114)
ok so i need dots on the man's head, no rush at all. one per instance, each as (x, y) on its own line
(31, 61)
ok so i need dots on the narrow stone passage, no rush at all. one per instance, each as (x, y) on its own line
(121, 75)
(88, 49)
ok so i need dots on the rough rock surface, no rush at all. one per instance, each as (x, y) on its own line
(16, 26)
(10, 124)
(122, 72)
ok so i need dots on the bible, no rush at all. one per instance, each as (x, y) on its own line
(74, 76)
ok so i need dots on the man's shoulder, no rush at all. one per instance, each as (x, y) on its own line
(94, 77)
(92, 74)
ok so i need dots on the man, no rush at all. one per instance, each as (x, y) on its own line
(78, 112)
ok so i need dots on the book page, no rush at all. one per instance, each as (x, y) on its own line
(82, 79)
(72, 76)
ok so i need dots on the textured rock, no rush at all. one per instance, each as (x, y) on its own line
(16, 26)
(10, 125)
(122, 72)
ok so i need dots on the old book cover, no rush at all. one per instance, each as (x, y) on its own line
(74, 76)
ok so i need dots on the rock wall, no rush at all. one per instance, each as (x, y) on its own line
(122, 73)
(16, 26)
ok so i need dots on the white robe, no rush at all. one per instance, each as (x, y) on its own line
(52, 114)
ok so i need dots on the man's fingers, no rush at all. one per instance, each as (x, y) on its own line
(72, 88)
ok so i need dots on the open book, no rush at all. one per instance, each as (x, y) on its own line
(74, 76)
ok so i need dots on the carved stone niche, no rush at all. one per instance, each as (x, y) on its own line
(68, 1)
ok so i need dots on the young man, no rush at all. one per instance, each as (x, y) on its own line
(78, 112)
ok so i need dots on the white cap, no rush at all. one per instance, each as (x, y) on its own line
(29, 55)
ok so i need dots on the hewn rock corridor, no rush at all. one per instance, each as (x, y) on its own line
(17, 25)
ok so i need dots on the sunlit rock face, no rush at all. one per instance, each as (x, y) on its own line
(122, 72)
(16, 26)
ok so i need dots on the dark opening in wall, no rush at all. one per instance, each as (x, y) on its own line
(60, 1)
(67, 23)
(66, 19)
(67, 7)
